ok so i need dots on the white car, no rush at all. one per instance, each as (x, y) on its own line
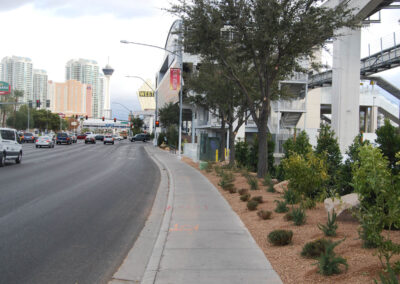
(10, 148)
(108, 139)
(44, 141)
(118, 137)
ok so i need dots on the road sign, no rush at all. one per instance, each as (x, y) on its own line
(124, 122)
(5, 88)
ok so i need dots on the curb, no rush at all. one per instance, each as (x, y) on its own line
(150, 274)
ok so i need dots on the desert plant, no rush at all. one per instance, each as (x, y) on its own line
(281, 207)
(314, 249)
(328, 263)
(297, 215)
(253, 182)
(252, 205)
(264, 214)
(226, 181)
(243, 191)
(390, 278)
(209, 167)
(271, 188)
(259, 199)
(330, 228)
(218, 170)
(245, 197)
(308, 203)
(288, 216)
(280, 237)
(232, 189)
(291, 197)
(267, 180)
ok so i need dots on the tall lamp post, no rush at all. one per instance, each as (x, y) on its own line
(179, 55)
(156, 111)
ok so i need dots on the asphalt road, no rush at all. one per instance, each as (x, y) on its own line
(71, 214)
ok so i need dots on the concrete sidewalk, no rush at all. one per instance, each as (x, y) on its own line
(201, 239)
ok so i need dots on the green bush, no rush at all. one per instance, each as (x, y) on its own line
(243, 191)
(227, 179)
(271, 189)
(268, 182)
(388, 138)
(291, 197)
(328, 263)
(245, 197)
(390, 278)
(252, 205)
(280, 237)
(253, 182)
(209, 167)
(314, 249)
(308, 203)
(281, 207)
(330, 228)
(160, 138)
(259, 199)
(242, 153)
(307, 175)
(264, 214)
(297, 215)
(218, 170)
(232, 189)
(300, 145)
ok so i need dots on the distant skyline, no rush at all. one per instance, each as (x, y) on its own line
(52, 32)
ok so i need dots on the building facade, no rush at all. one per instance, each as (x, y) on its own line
(18, 72)
(88, 72)
(40, 81)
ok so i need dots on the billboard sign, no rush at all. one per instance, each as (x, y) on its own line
(5, 88)
(175, 78)
(146, 94)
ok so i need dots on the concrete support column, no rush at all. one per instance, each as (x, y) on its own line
(346, 86)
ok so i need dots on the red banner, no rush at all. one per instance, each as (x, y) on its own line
(175, 79)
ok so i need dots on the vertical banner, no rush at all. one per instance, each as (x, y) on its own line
(175, 79)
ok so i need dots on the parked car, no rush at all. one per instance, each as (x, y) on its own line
(81, 136)
(10, 147)
(141, 137)
(73, 137)
(63, 137)
(29, 137)
(100, 137)
(108, 139)
(90, 139)
(44, 141)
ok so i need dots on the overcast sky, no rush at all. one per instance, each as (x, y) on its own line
(51, 32)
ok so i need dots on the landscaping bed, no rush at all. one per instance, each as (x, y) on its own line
(363, 265)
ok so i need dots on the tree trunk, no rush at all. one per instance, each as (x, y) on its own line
(223, 139)
(231, 146)
(262, 166)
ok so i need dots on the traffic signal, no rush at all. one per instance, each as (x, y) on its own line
(115, 120)
(38, 103)
(102, 118)
(76, 116)
(86, 117)
(157, 123)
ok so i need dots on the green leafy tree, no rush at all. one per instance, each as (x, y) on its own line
(299, 144)
(169, 115)
(389, 142)
(137, 124)
(260, 39)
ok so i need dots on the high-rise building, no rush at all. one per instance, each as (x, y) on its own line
(108, 71)
(71, 98)
(87, 72)
(18, 72)
(40, 87)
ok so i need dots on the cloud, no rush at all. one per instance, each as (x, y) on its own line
(77, 8)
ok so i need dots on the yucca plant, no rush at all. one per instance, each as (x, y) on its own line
(330, 228)
(281, 207)
(297, 215)
(253, 182)
(328, 263)
(291, 196)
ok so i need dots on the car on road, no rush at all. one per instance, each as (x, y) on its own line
(90, 139)
(118, 137)
(73, 137)
(63, 138)
(44, 141)
(108, 139)
(100, 137)
(81, 136)
(141, 137)
(29, 137)
(10, 147)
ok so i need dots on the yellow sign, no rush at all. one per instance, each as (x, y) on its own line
(146, 94)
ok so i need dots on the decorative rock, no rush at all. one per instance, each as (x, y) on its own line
(347, 201)
(282, 186)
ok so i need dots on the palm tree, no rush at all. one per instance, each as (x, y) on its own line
(17, 94)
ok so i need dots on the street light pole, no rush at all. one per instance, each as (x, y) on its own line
(179, 55)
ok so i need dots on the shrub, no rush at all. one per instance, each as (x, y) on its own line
(307, 175)
(259, 199)
(297, 215)
(253, 182)
(226, 181)
(280, 237)
(308, 203)
(264, 214)
(209, 167)
(243, 191)
(291, 197)
(242, 153)
(232, 189)
(388, 138)
(330, 228)
(268, 182)
(245, 197)
(218, 170)
(328, 263)
(281, 207)
(314, 249)
(300, 145)
(391, 278)
(271, 188)
(252, 205)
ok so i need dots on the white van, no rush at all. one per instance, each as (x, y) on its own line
(10, 148)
